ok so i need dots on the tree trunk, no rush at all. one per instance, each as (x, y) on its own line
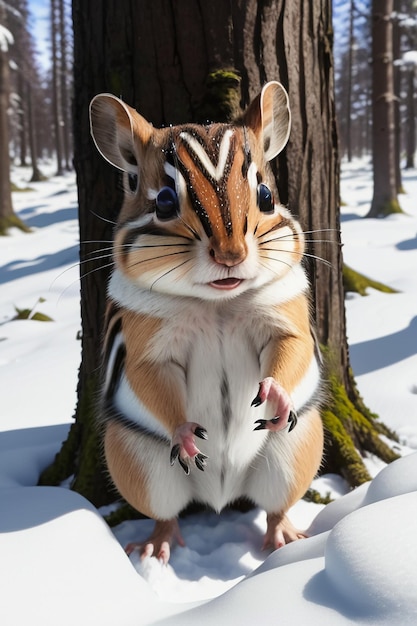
(7, 216)
(36, 173)
(66, 135)
(396, 48)
(6, 208)
(179, 62)
(21, 87)
(349, 83)
(384, 201)
(56, 95)
(411, 119)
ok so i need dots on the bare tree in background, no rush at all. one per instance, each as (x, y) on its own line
(8, 218)
(26, 79)
(349, 83)
(65, 96)
(385, 200)
(396, 52)
(56, 91)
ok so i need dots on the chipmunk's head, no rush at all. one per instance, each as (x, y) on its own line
(200, 216)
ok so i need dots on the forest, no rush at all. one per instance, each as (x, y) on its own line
(35, 105)
(348, 175)
(370, 107)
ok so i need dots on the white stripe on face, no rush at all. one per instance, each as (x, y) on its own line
(217, 171)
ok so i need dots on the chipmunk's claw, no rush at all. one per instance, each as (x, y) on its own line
(292, 420)
(257, 401)
(201, 433)
(263, 424)
(200, 461)
(175, 454)
(279, 402)
(184, 465)
(184, 448)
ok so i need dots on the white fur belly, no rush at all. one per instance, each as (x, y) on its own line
(222, 380)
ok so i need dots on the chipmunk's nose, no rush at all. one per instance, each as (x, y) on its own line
(228, 253)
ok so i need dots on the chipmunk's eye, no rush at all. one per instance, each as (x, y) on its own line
(133, 181)
(265, 199)
(167, 204)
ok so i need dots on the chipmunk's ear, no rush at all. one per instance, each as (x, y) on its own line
(116, 128)
(269, 117)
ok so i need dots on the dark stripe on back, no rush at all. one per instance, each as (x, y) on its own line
(116, 372)
(109, 339)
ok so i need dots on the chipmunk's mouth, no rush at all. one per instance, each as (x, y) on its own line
(226, 283)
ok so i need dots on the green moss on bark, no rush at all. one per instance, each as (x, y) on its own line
(63, 465)
(124, 513)
(222, 97)
(314, 496)
(12, 221)
(358, 283)
(351, 431)
(80, 455)
(386, 208)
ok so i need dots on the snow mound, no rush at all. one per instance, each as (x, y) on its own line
(60, 564)
(394, 480)
(371, 560)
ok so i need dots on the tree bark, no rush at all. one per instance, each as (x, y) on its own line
(36, 173)
(8, 218)
(175, 62)
(21, 88)
(56, 94)
(349, 83)
(411, 119)
(396, 50)
(384, 201)
(6, 207)
(64, 99)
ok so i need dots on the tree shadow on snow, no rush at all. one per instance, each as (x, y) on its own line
(375, 354)
(408, 244)
(24, 505)
(42, 220)
(20, 268)
(349, 217)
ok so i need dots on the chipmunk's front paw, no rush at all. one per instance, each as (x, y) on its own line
(184, 448)
(284, 414)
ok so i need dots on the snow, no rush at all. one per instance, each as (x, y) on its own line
(61, 564)
(6, 39)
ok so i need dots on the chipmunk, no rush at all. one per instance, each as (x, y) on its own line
(211, 378)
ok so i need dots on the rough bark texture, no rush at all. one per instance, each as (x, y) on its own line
(384, 199)
(56, 95)
(411, 118)
(6, 208)
(8, 218)
(180, 61)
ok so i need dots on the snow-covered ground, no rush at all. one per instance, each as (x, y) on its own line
(61, 564)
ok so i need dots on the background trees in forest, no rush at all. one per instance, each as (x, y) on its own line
(375, 91)
(40, 98)
(34, 99)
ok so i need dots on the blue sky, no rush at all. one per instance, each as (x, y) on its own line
(39, 25)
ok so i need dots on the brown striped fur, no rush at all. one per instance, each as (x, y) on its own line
(208, 298)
